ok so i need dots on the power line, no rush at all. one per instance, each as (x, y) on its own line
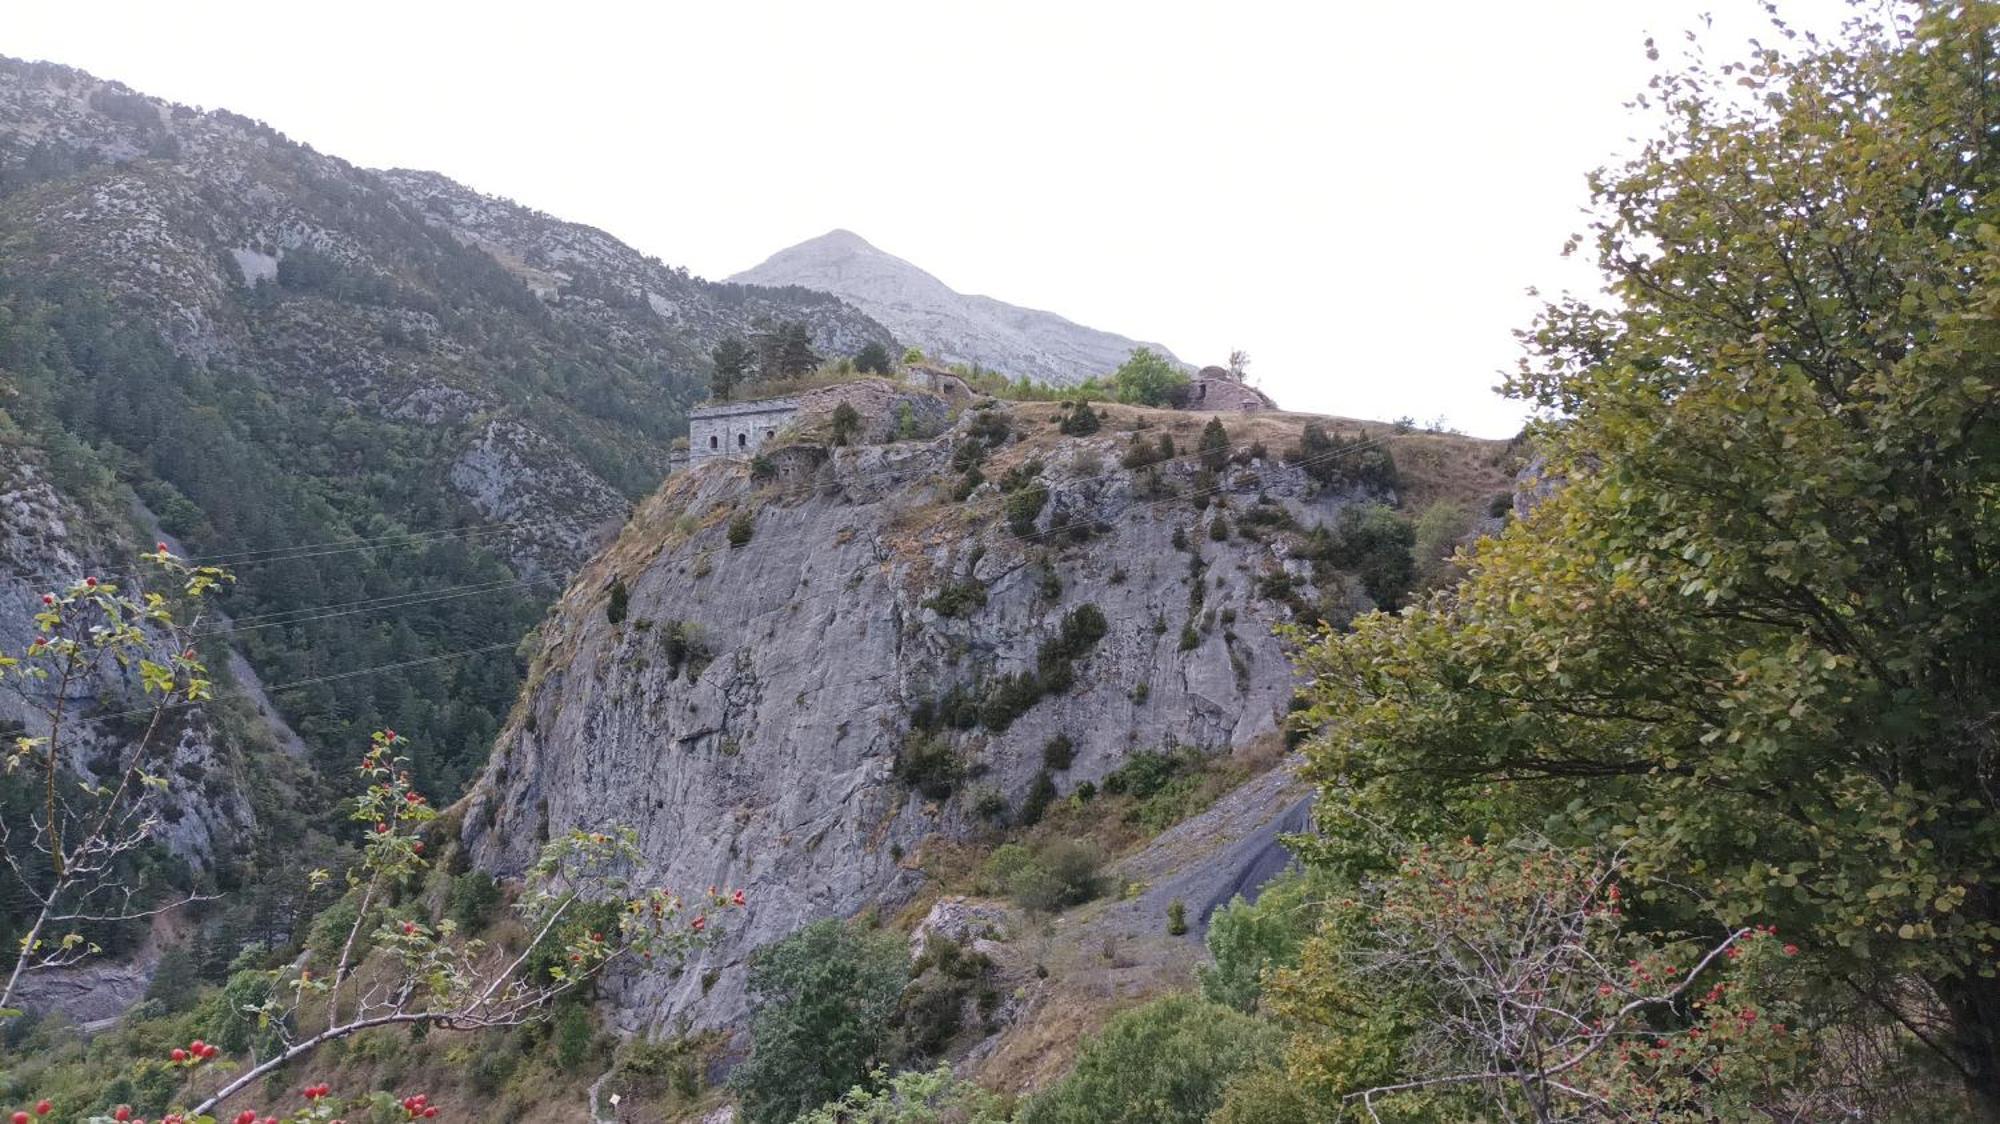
(235, 628)
(318, 679)
(322, 550)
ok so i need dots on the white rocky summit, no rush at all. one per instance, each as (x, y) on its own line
(946, 324)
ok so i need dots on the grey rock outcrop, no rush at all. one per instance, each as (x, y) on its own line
(746, 715)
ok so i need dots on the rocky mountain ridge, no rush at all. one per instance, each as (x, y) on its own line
(946, 324)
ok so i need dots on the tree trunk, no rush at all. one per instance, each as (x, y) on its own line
(1974, 1003)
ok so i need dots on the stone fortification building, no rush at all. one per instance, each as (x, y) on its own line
(736, 429)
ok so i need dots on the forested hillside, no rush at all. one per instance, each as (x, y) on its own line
(283, 356)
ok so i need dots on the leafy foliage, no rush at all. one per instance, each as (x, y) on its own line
(1148, 378)
(1247, 941)
(936, 1096)
(1165, 1063)
(1047, 876)
(1750, 635)
(824, 998)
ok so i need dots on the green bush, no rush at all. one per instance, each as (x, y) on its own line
(824, 999)
(1177, 925)
(742, 525)
(471, 901)
(959, 598)
(930, 765)
(1167, 1062)
(1077, 419)
(1336, 461)
(873, 359)
(1048, 877)
(1007, 698)
(1141, 452)
(1247, 941)
(1020, 476)
(1024, 506)
(1436, 536)
(1040, 795)
(1081, 629)
(937, 1096)
(575, 1039)
(1059, 752)
(1150, 379)
(1214, 446)
(968, 455)
(685, 646)
(615, 607)
(1146, 773)
(990, 427)
(1375, 543)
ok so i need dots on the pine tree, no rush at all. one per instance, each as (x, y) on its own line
(873, 359)
(1214, 445)
(795, 351)
(732, 367)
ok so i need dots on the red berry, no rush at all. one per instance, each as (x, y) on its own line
(178, 1055)
(409, 927)
(42, 1108)
(430, 1112)
(48, 598)
(123, 1111)
(92, 583)
(247, 1116)
(162, 546)
(20, 1118)
(737, 897)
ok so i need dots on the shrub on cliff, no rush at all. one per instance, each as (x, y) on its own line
(1165, 1063)
(824, 998)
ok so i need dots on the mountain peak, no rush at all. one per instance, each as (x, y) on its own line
(946, 324)
(838, 237)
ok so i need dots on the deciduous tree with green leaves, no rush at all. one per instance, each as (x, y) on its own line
(1750, 639)
(71, 856)
(1148, 378)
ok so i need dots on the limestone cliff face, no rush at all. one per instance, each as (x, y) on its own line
(746, 714)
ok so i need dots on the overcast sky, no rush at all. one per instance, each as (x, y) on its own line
(1357, 194)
